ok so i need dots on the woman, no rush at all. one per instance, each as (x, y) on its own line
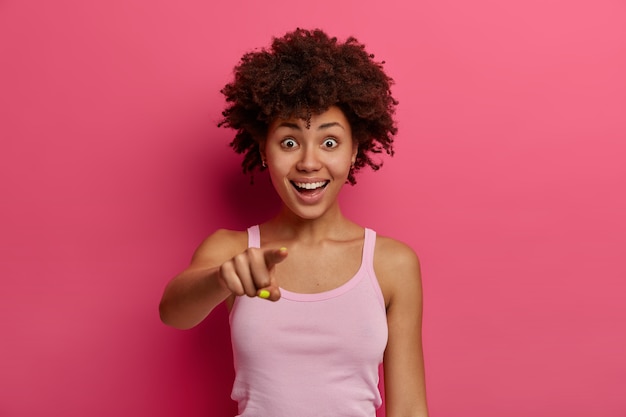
(316, 301)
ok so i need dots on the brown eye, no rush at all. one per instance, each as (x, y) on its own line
(330, 143)
(288, 143)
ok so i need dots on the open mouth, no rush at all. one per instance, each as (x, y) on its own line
(309, 187)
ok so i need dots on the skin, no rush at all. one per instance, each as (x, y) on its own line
(310, 233)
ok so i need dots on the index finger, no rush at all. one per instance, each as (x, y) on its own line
(274, 256)
(268, 288)
(262, 262)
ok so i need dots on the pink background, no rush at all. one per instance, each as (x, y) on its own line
(508, 181)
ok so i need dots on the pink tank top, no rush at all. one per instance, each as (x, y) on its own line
(311, 355)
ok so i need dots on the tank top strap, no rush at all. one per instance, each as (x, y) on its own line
(368, 264)
(368, 249)
(254, 237)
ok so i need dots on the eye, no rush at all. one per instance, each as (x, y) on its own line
(330, 143)
(289, 143)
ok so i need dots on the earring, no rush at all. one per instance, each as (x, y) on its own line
(263, 163)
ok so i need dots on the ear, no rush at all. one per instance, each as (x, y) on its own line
(262, 149)
(355, 151)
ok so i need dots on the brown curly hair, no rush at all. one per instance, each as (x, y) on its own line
(304, 73)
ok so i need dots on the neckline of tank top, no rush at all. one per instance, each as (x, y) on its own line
(334, 292)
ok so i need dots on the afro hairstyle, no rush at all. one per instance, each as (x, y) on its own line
(306, 72)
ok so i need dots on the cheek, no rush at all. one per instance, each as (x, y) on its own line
(278, 166)
(277, 177)
(342, 162)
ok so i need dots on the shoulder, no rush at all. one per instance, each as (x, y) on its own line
(220, 246)
(391, 255)
(397, 268)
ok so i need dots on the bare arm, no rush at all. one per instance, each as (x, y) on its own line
(398, 269)
(221, 267)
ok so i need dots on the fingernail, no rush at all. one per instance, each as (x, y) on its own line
(264, 294)
(283, 249)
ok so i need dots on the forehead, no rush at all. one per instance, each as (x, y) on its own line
(332, 117)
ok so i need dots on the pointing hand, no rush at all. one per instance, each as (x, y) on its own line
(251, 273)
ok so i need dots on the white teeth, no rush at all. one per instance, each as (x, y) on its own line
(310, 185)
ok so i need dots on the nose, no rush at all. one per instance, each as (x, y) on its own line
(309, 160)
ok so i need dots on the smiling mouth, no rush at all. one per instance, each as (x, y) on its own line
(309, 187)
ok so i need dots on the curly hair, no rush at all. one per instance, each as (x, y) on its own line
(304, 73)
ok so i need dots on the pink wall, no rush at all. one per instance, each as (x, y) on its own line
(509, 182)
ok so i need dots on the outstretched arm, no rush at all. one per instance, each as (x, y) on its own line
(221, 267)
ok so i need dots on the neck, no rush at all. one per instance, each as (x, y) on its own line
(332, 225)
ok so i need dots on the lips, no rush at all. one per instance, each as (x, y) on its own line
(310, 192)
(309, 186)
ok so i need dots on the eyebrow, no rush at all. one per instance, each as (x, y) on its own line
(295, 126)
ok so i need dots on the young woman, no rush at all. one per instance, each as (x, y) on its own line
(316, 301)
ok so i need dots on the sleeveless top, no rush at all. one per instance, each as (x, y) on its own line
(311, 355)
